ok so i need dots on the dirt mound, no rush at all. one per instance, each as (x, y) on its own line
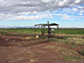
(3, 42)
(15, 41)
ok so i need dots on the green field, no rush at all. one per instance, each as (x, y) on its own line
(72, 31)
(26, 31)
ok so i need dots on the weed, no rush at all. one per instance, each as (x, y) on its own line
(28, 52)
(33, 54)
(43, 37)
(5, 33)
(72, 41)
(66, 51)
(81, 52)
(69, 57)
(51, 46)
(32, 38)
(73, 46)
(52, 39)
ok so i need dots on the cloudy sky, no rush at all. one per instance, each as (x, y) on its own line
(67, 13)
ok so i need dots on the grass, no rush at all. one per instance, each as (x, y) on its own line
(70, 41)
(81, 52)
(67, 54)
(52, 39)
(72, 31)
(31, 53)
(4, 33)
(32, 42)
(51, 47)
(70, 58)
(25, 31)
(18, 31)
(73, 46)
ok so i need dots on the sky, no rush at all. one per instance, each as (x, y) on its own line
(66, 13)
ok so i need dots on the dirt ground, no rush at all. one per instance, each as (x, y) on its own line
(13, 49)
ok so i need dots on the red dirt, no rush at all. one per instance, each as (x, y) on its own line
(30, 54)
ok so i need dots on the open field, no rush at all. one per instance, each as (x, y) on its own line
(32, 31)
(72, 31)
(21, 46)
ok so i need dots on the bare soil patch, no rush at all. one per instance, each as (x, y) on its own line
(15, 49)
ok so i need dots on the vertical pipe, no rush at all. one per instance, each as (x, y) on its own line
(48, 30)
(41, 29)
(58, 30)
(35, 29)
(48, 25)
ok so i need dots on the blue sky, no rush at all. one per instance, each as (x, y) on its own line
(67, 13)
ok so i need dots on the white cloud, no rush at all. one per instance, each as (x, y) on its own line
(78, 8)
(74, 9)
(77, 1)
(62, 2)
(46, 1)
(29, 8)
(65, 17)
(31, 17)
(68, 17)
(81, 12)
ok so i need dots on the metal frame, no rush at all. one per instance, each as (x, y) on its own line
(43, 26)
